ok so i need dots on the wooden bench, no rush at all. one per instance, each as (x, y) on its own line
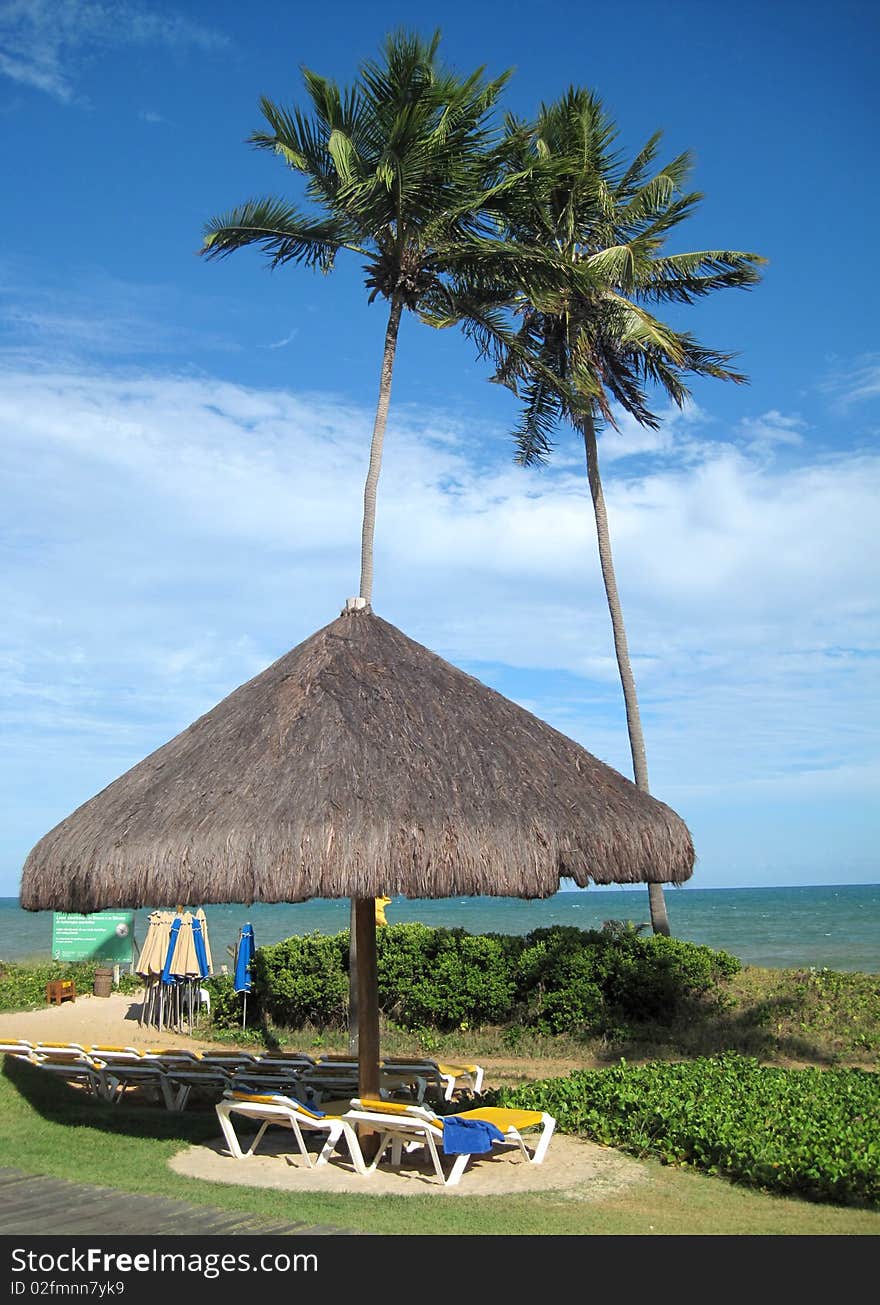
(60, 990)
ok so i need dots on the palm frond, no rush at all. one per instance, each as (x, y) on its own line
(281, 231)
(533, 434)
(685, 277)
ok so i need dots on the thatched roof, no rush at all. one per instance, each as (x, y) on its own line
(357, 765)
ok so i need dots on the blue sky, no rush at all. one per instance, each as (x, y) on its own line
(183, 444)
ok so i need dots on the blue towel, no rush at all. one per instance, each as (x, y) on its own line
(469, 1136)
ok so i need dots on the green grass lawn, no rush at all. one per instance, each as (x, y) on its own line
(48, 1128)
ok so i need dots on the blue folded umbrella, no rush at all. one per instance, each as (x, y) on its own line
(167, 976)
(243, 981)
(469, 1136)
(199, 944)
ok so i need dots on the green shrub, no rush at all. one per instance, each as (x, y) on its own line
(556, 980)
(226, 1003)
(445, 978)
(23, 987)
(809, 1132)
(592, 980)
(654, 978)
(303, 980)
(404, 955)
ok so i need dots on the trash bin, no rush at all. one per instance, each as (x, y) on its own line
(103, 985)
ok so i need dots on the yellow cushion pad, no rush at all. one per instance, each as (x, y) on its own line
(274, 1101)
(503, 1118)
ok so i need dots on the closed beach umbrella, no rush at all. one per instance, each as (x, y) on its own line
(206, 942)
(200, 943)
(358, 765)
(173, 935)
(243, 956)
(182, 968)
(182, 961)
(155, 949)
(151, 963)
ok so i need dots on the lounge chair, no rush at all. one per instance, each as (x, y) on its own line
(126, 1067)
(337, 1079)
(16, 1047)
(281, 1058)
(72, 1067)
(72, 1049)
(406, 1127)
(104, 1071)
(205, 1079)
(445, 1080)
(106, 1050)
(284, 1110)
(173, 1055)
(228, 1059)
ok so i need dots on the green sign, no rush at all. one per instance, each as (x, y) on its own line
(102, 936)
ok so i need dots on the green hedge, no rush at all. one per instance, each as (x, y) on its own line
(303, 980)
(23, 987)
(807, 1132)
(444, 978)
(552, 980)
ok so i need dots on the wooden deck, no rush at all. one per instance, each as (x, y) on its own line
(39, 1206)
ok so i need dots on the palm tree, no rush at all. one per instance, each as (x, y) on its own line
(401, 169)
(587, 340)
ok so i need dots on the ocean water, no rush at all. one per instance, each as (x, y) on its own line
(780, 928)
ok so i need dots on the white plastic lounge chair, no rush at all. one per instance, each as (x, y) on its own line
(182, 1079)
(124, 1067)
(267, 1073)
(172, 1055)
(105, 1073)
(277, 1109)
(338, 1080)
(228, 1059)
(286, 1082)
(414, 1126)
(82, 1068)
(16, 1047)
(288, 1058)
(445, 1080)
(104, 1050)
(58, 1049)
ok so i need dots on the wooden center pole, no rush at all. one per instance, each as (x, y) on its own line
(368, 998)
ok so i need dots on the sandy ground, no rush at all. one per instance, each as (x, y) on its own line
(109, 1020)
(576, 1169)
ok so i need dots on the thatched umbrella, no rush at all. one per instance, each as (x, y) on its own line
(357, 765)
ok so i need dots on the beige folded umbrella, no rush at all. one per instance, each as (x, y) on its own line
(184, 963)
(155, 948)
(200, 916)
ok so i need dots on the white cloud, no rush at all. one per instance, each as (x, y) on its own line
(45, 41)
(770, 429)
(97, 315)
(857, 382)
(287, 339)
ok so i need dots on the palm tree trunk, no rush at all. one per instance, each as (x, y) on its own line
(379, 424)
(656, 900)
(368, 532)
